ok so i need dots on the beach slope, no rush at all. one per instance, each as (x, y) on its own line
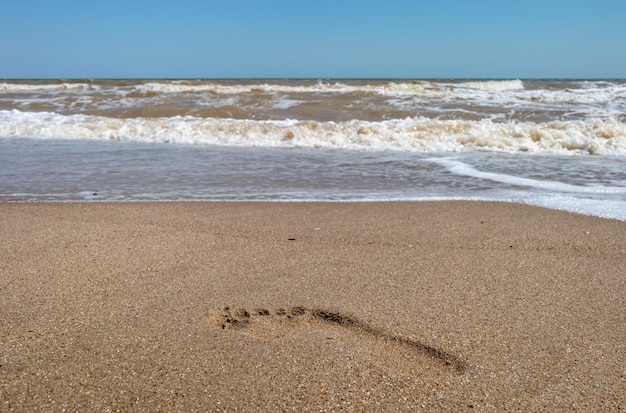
(451, 306)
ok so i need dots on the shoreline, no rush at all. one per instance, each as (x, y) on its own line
(313, 201)
(395, 305)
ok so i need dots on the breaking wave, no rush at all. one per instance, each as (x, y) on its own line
(606, 137)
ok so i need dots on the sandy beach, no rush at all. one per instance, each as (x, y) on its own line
(391, 306)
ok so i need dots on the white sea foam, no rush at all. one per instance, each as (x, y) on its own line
(460, 168)
(388, 88)
(491, 85)
(17, 87)
(410, 134)
(244, 88)
(613, 209)
(505, 90)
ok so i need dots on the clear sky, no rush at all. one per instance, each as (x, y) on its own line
(315, 39)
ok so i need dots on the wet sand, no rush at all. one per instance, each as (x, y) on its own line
(396, 306)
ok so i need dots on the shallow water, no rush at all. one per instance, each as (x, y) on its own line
(83, 170)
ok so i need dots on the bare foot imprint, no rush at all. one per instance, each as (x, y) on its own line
(244, 319)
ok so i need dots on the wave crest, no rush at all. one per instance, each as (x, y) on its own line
(410, 134)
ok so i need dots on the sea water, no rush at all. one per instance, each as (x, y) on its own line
(557, 144)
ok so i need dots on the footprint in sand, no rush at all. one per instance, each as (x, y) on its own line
(262, 322)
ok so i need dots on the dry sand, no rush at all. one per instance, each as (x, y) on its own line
(451, 306)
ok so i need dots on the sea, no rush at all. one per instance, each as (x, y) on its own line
(559, 144)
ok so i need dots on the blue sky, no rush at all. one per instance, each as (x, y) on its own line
(316, 39)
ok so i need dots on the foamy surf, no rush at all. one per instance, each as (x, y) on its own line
(460, 168)
(325, 100)
(387, 88)
(410, 134)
